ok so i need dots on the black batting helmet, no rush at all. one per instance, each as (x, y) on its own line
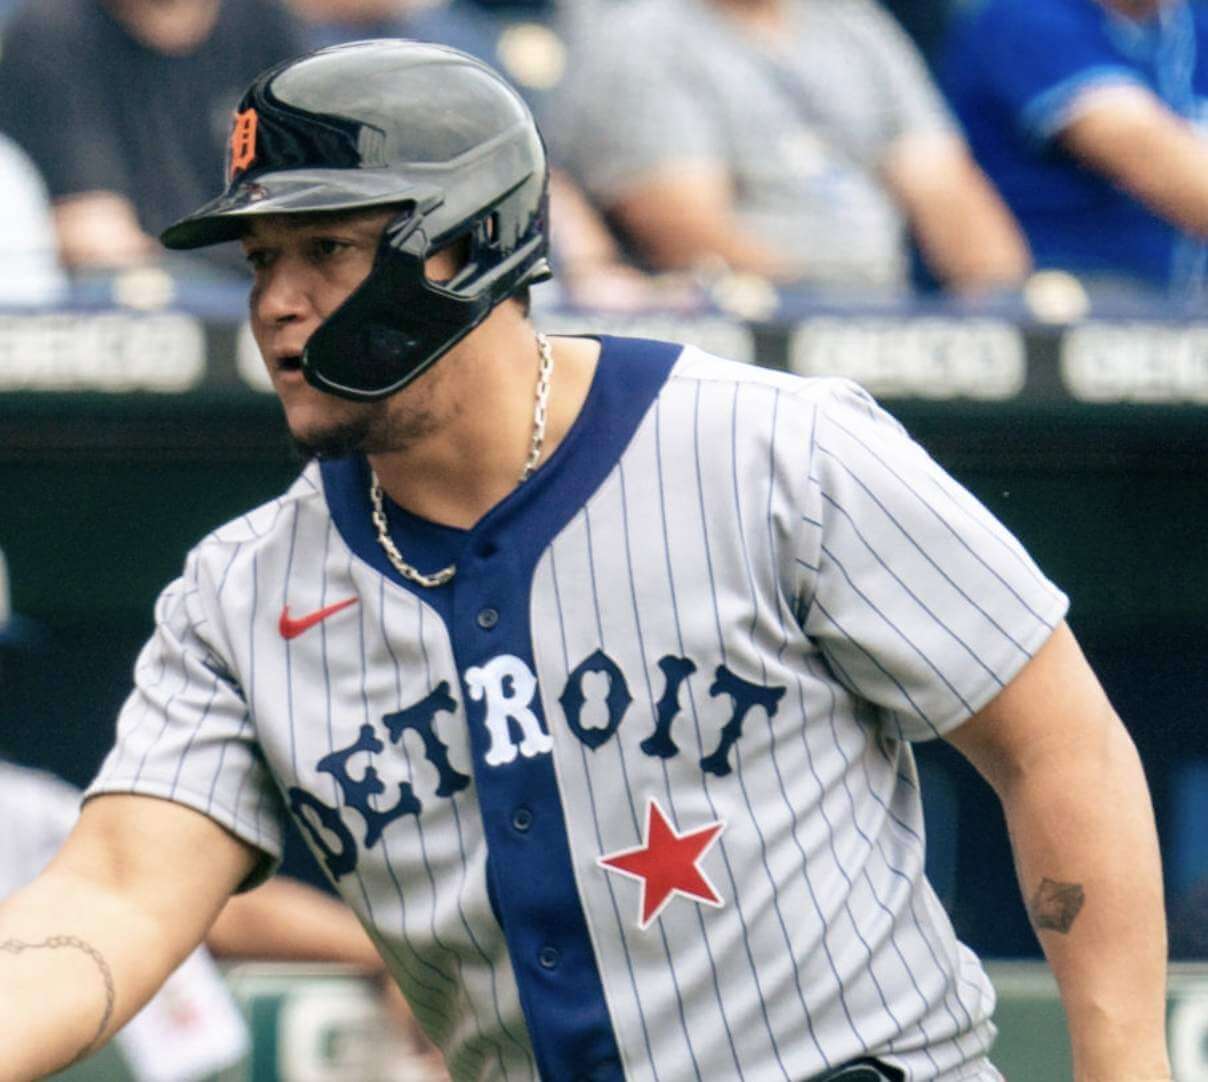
(380, 123)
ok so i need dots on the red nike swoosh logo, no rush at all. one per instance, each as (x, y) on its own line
(291, 629)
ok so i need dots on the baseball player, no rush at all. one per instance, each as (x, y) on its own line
(588, 667)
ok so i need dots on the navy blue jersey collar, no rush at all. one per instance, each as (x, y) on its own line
(628, 377)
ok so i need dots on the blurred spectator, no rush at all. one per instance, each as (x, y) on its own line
(124, 106)
(31, 273)
(524, 42)
(796, 139)
(9, 7)
(925, 21)
(457, 23)
(1088, 116)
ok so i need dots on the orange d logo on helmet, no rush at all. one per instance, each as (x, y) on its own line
(243, 143)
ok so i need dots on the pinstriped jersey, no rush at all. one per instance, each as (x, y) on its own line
(632, 796)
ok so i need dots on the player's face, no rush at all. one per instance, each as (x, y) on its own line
(303, 268)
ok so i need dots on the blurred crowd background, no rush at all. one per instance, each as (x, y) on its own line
(909, 145)
(702, 150)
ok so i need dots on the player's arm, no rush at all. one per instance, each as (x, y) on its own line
(1126, 133)
(88, 942)
(1086, 852)
(965, 233)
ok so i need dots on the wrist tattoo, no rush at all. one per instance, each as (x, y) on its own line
(1056, 905)
(59, 942)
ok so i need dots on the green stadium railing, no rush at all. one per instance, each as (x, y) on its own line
(323, 1024)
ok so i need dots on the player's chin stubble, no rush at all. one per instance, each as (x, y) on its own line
(373, 429)
(334, 441)
(393, 424)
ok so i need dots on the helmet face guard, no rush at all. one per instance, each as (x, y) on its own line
(391, 123)
(398, 322)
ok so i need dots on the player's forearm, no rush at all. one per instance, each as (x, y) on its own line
(71, 974)
(1087, 856)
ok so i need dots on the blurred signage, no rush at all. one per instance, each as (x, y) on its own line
(1142, 362)
(933, 358)
(1187, 1027)
(112, 352)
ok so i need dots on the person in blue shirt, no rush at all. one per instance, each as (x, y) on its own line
(1088, 115)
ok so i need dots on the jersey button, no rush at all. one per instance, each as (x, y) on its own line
(488, 618)
(522, 819)
(548, 957)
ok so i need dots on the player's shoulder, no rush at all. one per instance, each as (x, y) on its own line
(266, 526)
(808, 393)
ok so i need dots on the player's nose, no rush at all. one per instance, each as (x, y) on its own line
(280, 295)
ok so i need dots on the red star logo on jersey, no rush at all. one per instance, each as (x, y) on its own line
(667, 863)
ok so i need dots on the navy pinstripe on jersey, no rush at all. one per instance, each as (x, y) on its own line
(731, 596)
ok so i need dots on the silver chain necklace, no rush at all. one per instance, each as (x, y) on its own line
(544, 375)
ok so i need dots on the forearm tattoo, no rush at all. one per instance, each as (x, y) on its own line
(59, 942)
(1056, 905)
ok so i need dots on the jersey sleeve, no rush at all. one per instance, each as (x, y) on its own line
(185, 733)
(920, 600)
(1040, 60)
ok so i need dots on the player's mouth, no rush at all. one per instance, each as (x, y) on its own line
(291, 362)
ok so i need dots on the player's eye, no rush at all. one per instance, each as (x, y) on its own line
(257, 258)
(326, 247)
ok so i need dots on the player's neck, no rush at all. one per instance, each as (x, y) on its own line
(487, 399)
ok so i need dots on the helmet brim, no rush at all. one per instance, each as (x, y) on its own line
(298, 191)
